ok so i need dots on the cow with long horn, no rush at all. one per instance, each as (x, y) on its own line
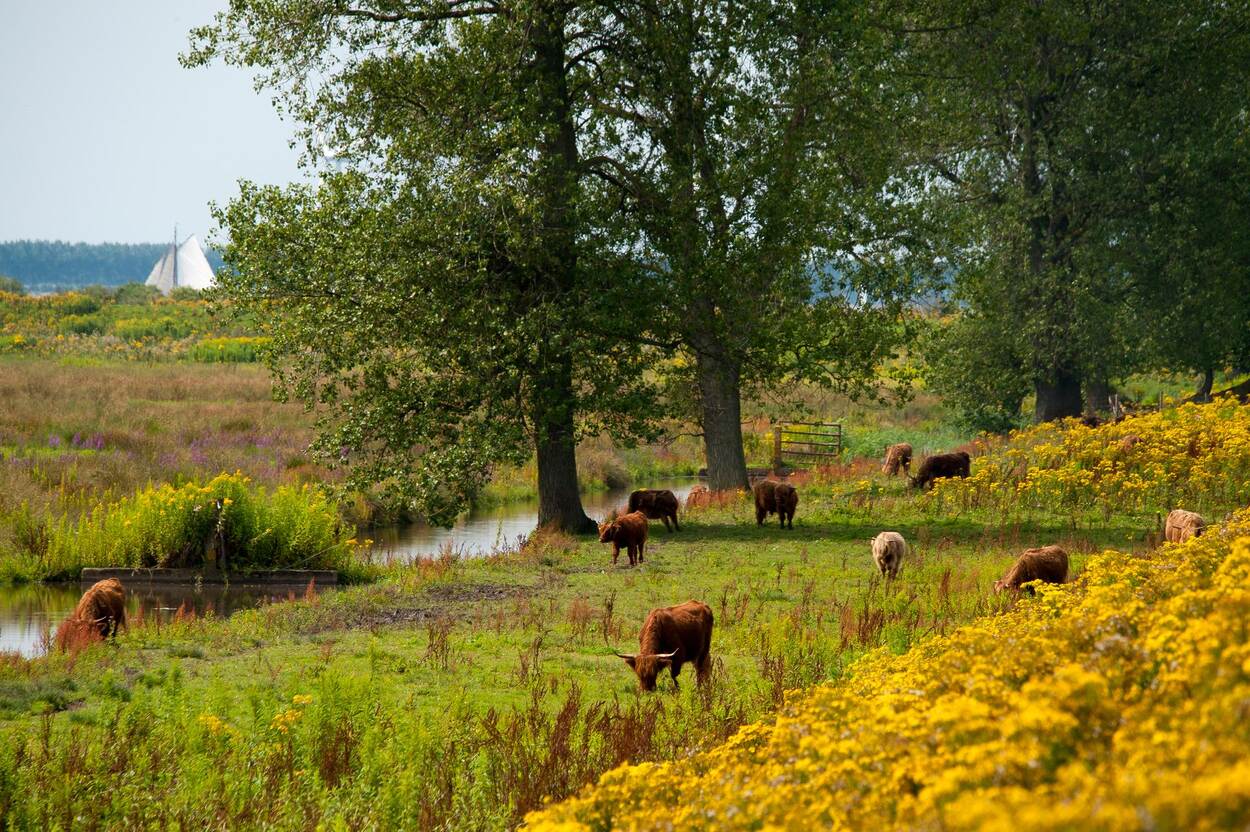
(670, 637)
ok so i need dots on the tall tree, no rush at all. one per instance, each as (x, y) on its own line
(444, 303)
(1023, 111)
(749, 144)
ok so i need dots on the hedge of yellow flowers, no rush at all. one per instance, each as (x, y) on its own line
(1121, 701)
(1192, 456)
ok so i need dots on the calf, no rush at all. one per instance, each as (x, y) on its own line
(670, 637)
(940, 466)
(629, 531)
(699, 497)
(897, 458)
(1129, 442)
(100, 613)
(657, 505)
(772, 497)
(1182, 525)
(1047, 563)
(888, 550)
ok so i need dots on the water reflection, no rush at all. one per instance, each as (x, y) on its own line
(29, 614)
(483, 530)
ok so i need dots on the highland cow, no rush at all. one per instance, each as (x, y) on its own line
(100, 613)
(629, 531)
(656, 505)
(1181, 525)
(699, 497)
(941, 466)
(897, 458)
(888, 550)
(1129, 442)
(772, 497)
(670, 637)
(1047, 563)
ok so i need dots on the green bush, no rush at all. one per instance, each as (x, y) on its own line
(243, 350)
(11, 285)
(137, 329)
(81, 325)
(288, 528)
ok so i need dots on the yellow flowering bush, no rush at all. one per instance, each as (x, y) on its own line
(1116, 702)
(1193, 455)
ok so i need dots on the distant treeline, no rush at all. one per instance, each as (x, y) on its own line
(47, 263)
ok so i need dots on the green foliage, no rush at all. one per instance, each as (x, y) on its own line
(1050, 138)
(239, 350)
(168, 526)
(976, 369)
(81, 325)
(11, 285)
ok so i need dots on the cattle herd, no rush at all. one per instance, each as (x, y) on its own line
(674, 636)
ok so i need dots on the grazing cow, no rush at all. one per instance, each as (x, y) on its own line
(940, 466)
(1182, 525)
(657, 505)
(897, 458)
(699, 497)
(671, 637)
(772, 497)
(888, 550)
(629, 531)
(1047, 563)
(100, 613)
(1129, 442)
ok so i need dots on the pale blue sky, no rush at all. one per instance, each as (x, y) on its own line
(104, 137)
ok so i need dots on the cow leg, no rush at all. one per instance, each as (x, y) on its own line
(632, 560)
(675, 524)
(674, 669)
(616, 552)
(760, 514)
(664, 517)
(642, 546)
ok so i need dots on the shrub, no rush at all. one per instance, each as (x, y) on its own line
(289, 527)
(11, 285)
(81, 325)
(241, 350)
(137, 329)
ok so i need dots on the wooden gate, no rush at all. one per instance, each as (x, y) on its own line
(817, 441)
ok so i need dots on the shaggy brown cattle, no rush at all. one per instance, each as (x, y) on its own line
(939, 466)
(671, 637)
(1047, 563)
(657, 505)
(1182, 525)
(629, 531)
(100, 613)
(897, 458)
(779, 498)
(888, 550)
(699, 497)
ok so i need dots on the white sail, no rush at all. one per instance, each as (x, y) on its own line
(185, 266)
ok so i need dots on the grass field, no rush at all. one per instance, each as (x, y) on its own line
(462, 693)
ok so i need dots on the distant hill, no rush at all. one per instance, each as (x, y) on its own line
(44, 265)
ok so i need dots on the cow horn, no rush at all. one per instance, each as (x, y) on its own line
(627, 656)
(665, 655)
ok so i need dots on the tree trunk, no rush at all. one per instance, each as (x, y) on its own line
(1058, 395)
(1097, 395)
(559, 498)
(721, 411)
(1203, 393)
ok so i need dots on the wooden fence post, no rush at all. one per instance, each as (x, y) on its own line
(776, 448)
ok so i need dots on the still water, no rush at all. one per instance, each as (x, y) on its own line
(29, 614)
(484, 530)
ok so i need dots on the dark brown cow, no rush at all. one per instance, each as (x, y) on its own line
(1046, 563)
(629, 531)
(671, 637)
(657, 505)
(897, 458)
(940, 466)
(772, 497)
(100, 613)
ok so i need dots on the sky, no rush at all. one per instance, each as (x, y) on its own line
(104, 137)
